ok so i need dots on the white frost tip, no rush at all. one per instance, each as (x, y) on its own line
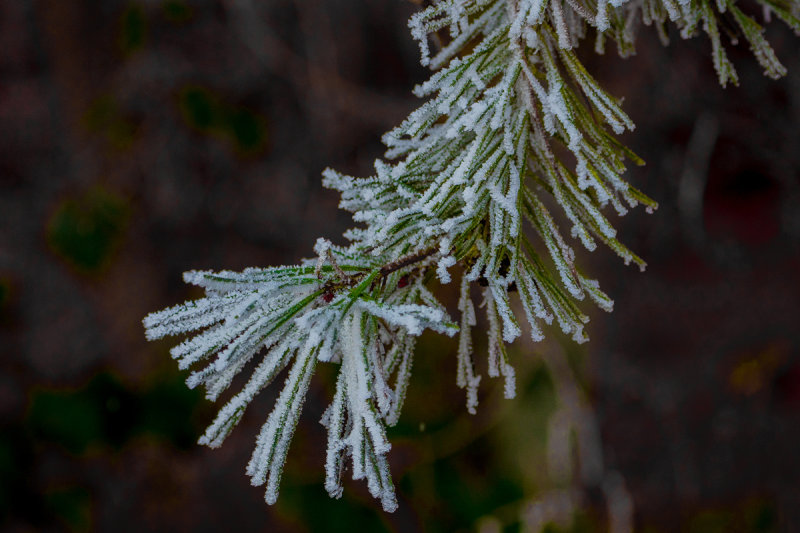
(322, 246)
(510, 384)
(441, 268)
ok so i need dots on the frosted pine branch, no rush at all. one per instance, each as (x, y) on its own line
(463, 184)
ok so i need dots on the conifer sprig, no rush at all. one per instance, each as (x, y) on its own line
(511, 116)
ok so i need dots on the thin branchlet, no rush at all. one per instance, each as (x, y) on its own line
(406, 261)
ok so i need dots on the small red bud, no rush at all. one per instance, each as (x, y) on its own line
(402, 282)
(328, 296)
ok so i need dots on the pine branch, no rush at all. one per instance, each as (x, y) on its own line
(463, 184)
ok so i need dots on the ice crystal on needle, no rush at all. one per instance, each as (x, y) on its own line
(463, 184)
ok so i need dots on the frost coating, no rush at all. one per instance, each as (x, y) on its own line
(462, 192)
(282, 314)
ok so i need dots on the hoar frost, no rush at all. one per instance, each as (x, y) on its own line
(461, 193)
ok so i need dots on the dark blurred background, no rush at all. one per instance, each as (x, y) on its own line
(142, 139)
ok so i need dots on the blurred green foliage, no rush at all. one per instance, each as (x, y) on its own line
(176, 11)
(133, 29)
(200, 108)
(72, 506)
(73, 420)
(711, 521)
(761, 516)
(751, 516)
(107, 413)
(311, 509)
(85, 230)
(100, 417)
(207, 113)
(247, 129)
(581, 523)
(462, 488)
(169, 410)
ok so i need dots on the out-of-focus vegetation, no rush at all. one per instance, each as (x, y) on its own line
(207, 113)
(84, 231)
(106, 413)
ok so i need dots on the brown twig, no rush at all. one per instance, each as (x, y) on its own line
(405, 261)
